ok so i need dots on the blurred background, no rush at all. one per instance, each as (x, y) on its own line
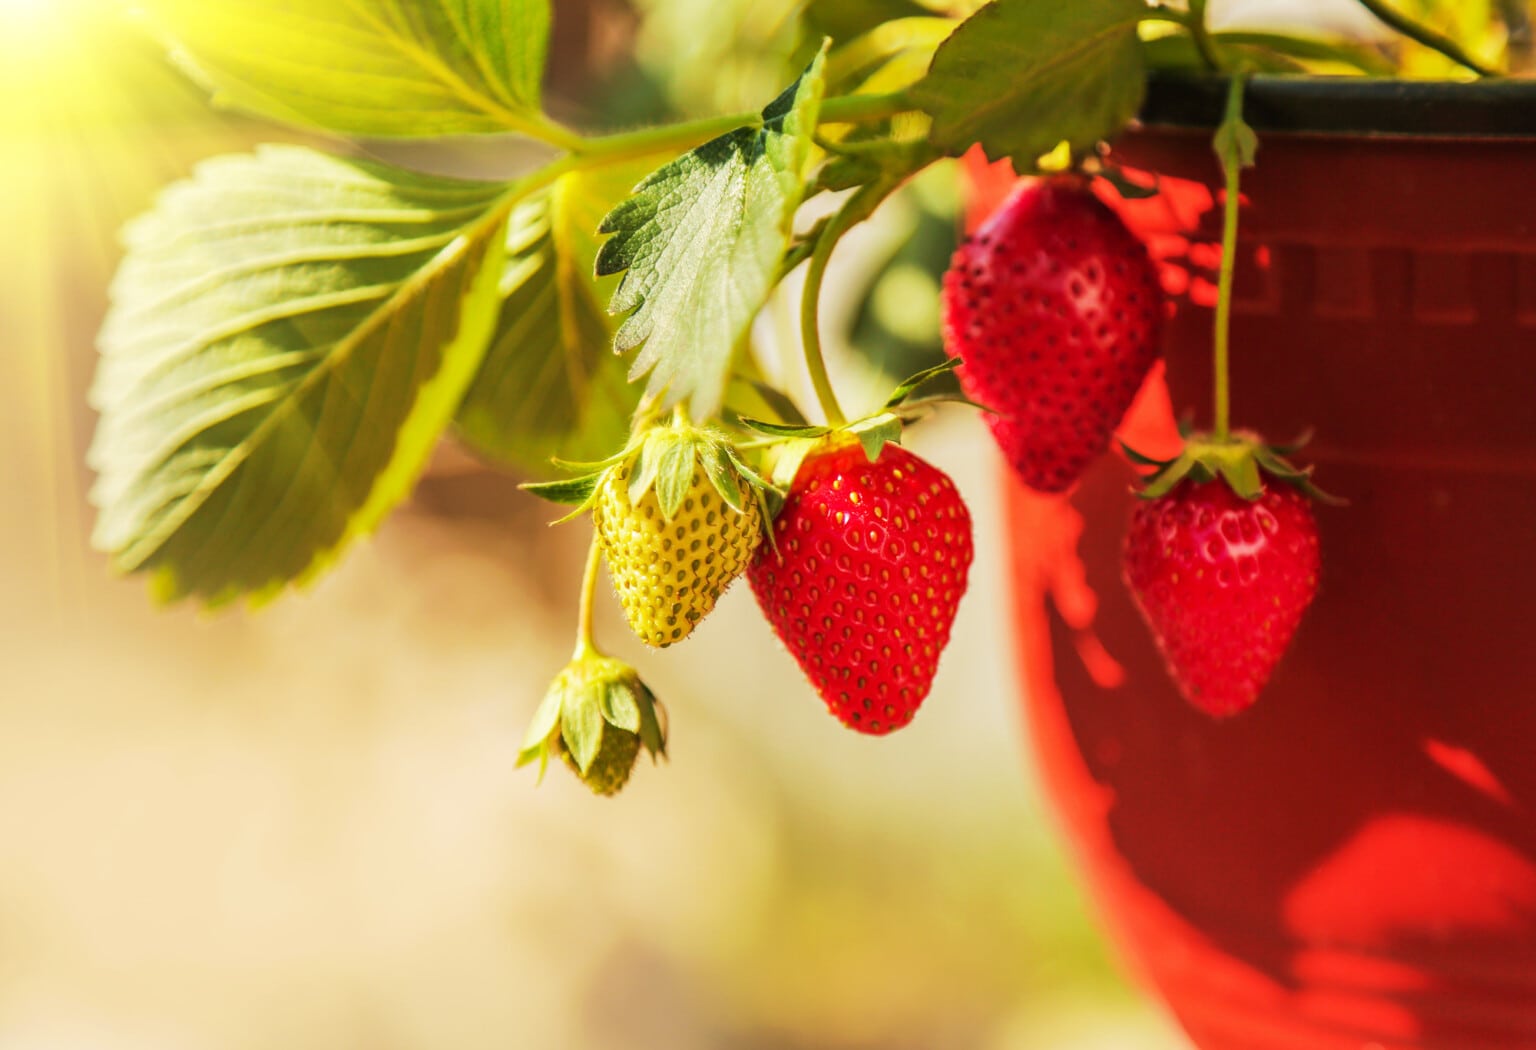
(303, 827)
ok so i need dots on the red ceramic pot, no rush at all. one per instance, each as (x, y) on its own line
(1352, 862)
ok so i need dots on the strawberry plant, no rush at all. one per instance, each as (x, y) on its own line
(293, 330)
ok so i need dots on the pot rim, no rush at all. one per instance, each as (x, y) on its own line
(1503, 110)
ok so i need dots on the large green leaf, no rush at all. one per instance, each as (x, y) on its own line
(289, 334)
(551, 384)
(700, 242)
(401, 68)
(1019, 76)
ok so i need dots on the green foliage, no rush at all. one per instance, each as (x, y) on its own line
(551, 386)
(405, 68)
(1021, 76)
(699, 245)
(289, 334)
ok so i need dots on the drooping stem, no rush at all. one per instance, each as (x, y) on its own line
(857, 208)
(1232, 164)
(584, 644)
(1431, 39)
(810, 329)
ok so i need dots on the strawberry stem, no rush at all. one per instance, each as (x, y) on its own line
(584, 644)
(1230, 152)
(810, 324)
(1428, 37)
(858, 207)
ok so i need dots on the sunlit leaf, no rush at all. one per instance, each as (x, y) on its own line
(1021, 76)
(382, 67)
(289, 334)
(700, 242)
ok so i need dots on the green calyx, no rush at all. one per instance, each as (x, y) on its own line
(597, 715)
(1241, 459)
(663, 459)
(795, 441)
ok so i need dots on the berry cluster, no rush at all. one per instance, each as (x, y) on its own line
(858, 552)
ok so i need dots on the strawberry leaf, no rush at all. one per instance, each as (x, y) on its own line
(1022, 76)
(700, 242)
(406, 68)
(289, 336)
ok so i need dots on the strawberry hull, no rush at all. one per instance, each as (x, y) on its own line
(1352, 861)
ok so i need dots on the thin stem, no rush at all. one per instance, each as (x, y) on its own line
(1233, 166)
(584, 644)
(855, 210)
(1430, 38)
(810, 324)
(846, 109)
(1202, 35)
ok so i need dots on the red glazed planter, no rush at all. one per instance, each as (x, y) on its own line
(1352, 862)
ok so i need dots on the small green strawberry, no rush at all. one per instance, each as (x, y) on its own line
(596, 716)
(678, 517)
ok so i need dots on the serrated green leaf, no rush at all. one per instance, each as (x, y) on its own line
(717, 464)
(550, 385)
(571, 492)
(1021, 76)
(700, 243)
(674, 476)
(581, 727)
(289, 335)
(399, 68)
(875, 432)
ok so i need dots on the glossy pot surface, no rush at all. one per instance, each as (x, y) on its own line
(1352, 862)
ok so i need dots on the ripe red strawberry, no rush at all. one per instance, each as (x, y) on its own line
(1055, 308)
(871, 563)
(1223, 582)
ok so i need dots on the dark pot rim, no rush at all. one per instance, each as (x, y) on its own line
(1350, 106)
